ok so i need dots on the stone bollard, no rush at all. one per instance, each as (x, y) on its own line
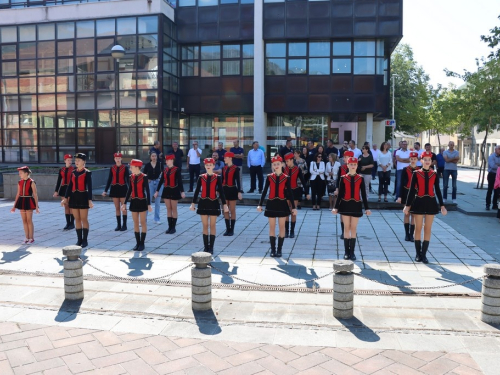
(201, 281)
(73, 273)
(490, 294)
(343, 288)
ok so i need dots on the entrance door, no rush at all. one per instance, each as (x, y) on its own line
(347, 135)
(105, 144)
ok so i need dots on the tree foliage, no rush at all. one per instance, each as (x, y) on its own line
(493, 41)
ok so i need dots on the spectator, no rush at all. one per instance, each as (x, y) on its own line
(178, 153)
(239, 153)
(286, 149)
(331, 172)
(256, 161)
(451, 158)
(156, 148)
(403, 160)
(153, 170)
(345, 147)
(497, 189)
(384, 170)
(193, 163)
(493, 164)
(418, 150)
(374, 152)
(301, 163)
(365, 166)
(317, 171)
(219, 164)
(321, 150)
(440, 163)
(330, 148)
(428, 148)
(353, 148)
(395, 164)
(220, 151)
(311, 152)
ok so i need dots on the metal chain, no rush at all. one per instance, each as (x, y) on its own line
(269, 285)
(419, 287)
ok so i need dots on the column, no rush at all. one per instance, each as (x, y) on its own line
(369, 128)
(259, 116)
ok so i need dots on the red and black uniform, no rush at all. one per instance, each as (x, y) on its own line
(295, 175)
(80, 189)
(424, 188)
(406, 181)
(279, 192)
(352, 196)
(26, 201)
(171, 180)
(231, 182)
(118, 179)
(209, 201)
(343, 170)
(63, 179)
(138, 193)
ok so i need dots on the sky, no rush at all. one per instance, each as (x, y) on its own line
(446, 34)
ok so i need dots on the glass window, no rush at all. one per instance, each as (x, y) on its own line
(65, 49)
(128, 99)
(46, 49)
(206, 3)
(47, 67)
(319, 49)
(85, 101)
(46, 84)
(65, 66)
(364, 65)
(381, 65)
(28, 103)
(29, 138)
(46, 31)
(147, 43)
(187, 3)
(190, 69)
(9, 52)
(106, 100)
(48, 154)
(319, 66)
(27, 33)
(380, 47)
(126, 25)
(147, 61)
(231, 51)
(127, 63)
(364, 48)
(48, 137)
(104, 46)
(8, 86)
(148, 24)
(276, 50)
(66, 30)
(341, 48)
(248, 67)
(46, 102)
(248, 50)
(190, 52)
(85, 47)
(85, 64)
(297, 66)
(8, 34)
(105, 82)
(28, 67)
(297, 49)
(129, 42)
(27, 50)
(27, 85)
(341, 66)
(210, 68)
(85, 29)
(67, 136)
(47, 120)
(210, 52)
(229, 1)
(10, 103)
(274, 1)
(85, 82)
(65, 102)
(127, 81)
(231, 67)
(128, 118)
(105, 27)
(9, 69)
(275, 67)
(105, 64)
(28, 119)
(65, 84)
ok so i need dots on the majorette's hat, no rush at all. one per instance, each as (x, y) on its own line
(24, 168)
(426, 154)
(68, 156)
(348, 153)
(209, 161)
(229, 154)
(81, 156)
(289, 156)
(413, 154)
(118, 155)
(276, 158)
(352, 160)
(170, 157)
(136, 163)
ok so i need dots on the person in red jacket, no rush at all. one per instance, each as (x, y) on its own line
(277, 206)
(118, 179)
(350, 202)
(344, 169)
(232, 191)
(173, 190)
(63, 178)
(421, 203)
(296, 176)
(26, 202)
(210, 186)
(403, 194)
(140, 202)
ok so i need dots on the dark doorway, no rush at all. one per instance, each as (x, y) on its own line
(347, 135)
(105, 144)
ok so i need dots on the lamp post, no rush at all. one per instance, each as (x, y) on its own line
(117, 52)
(393, 78)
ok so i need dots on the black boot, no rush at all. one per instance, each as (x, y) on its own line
(228, 227)
(205, 243)
(287, 229)
(352, 246)
(232, 227)
(174, 223)
(292, 229)
(71, 222)
(425, 247)
(418, 251)
(68, 221)
(280, 246)
(141, 242)
(412, 230)
(124, 224)
(211, 246)
(342, 226)
(79, 234)
(118, 223)
(169, 221)
(84, 237)
(272, 239)
(137, 241)
(347, 254)
(407, 232)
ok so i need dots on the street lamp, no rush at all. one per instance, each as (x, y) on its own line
(117, 52)
(393, 78)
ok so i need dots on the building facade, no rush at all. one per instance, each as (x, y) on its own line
(205, 70)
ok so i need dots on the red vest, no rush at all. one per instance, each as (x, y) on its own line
(25, 189)
(293, 173)
(409, 172)
(344, 170)
(118, 175)
(65, 175)
(208, 186)
(352, 186)
(277, 185)
(228, 176)
(169, 177)
(425, 183)
(137, 183)
(78, 181)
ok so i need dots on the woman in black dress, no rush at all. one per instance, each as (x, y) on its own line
(173, 190)
(118, 179)
(232, 191)
(350, 202)
(296, 183)
(421, 203)
(409, 223)
(26, 202)
(80, 192)
(343, 170)
(209, 208)
(63, 178)
(277, 206)
(140, 202)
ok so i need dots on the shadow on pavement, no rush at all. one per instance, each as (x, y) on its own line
(14, 256)
(299, 272)
(137, 265)
(385, 277)
(68, 310)
(226, 275)
(207, 322)
(360, 330)
(453, 277)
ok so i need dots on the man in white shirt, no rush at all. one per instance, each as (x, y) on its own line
(193, 164)
(374, 150)
(353, 148)
(256, 161)
(418, 150)
(403, 159)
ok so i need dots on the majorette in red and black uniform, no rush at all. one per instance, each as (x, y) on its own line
(424, 188)
(352, 195)
(209, 187)
(80, 187)
(64, 177)
(25, 201)
(171, 180)
(118, 179)
(231, 180)
(406, 177)
(295, 175)
(279, 192)
(138, 190)
(343, 170)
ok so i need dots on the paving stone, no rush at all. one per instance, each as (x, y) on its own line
(308, 361)
(175, 365)
(406, 359)
(151, 355)
(439, 366)
(59, 352)
(245, 357)
(213, 362)
(340, 355)
(20, 357)
(276, 366)
(138, 367)
(78, 363)
(39, 344)
(373, 364)
(5, 368)
(114, 359)
(39, 366)
(63, 370)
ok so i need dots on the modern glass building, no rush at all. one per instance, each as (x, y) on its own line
(210, 70)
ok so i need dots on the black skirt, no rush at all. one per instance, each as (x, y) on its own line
(404, 195)
(79, 200)
(26, 203)
(297, 194)
(230, 192)
(208, 207)
(351, 208)
(277, 208)
(62, 190)
(172, 193)
(138, 205)
(118, 191)
(425, 206)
